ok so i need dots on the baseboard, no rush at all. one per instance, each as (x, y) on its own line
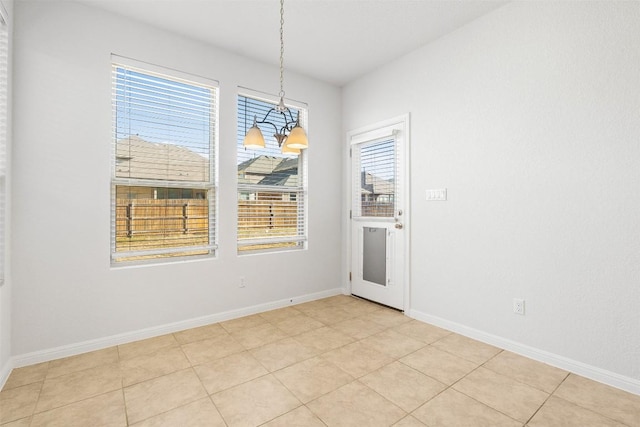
(100, 343)
(592, 372)
(5, 371)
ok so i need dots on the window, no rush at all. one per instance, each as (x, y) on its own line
(163, 188)
(376, 178)
(272, 187)
(4, 83)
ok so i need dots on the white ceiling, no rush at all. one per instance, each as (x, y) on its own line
(331, 40)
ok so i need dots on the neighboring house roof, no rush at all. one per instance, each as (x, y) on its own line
(287, 165)
(269, 170)
(261, 165)
(372, 184)
(137, 158)
(283, 179)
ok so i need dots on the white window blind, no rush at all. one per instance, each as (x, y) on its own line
(376, 176)
(164, 144)
(4, 82)
(272, 188)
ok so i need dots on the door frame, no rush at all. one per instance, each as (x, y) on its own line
(402, 121)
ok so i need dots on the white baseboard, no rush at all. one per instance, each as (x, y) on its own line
(100, 343)
(597, 374)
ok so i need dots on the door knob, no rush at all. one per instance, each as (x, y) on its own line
(399, 226)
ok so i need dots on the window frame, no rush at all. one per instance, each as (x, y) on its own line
(210, 187)
(4, 137)
(301, 240)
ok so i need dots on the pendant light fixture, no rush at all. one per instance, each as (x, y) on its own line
(291, 133)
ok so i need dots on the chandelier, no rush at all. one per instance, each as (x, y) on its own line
(291, 137)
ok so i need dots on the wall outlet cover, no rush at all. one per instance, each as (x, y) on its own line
(518, 306)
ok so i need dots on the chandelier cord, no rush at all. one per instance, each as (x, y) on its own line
(291, 127)
(281, 49)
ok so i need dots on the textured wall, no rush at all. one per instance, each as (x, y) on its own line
(529, 116)
(65, 290)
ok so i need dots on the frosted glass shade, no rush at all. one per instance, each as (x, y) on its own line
(254, 139)
(297, 138)
(286, 149)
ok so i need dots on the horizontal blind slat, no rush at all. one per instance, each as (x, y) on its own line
(376, 178)
(271, 186)
(163, 197)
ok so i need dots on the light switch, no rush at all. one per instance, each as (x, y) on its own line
(437, 194)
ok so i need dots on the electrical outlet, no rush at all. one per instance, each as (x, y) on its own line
(242, 282)
(518, 306)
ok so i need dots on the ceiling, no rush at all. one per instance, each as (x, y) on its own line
(332, 40)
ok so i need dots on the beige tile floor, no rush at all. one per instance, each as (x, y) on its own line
(339, 361)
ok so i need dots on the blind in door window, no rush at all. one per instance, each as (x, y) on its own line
(375, 174)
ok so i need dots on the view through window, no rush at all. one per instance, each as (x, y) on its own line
(377, 176)
(271, 185)
(163, 187)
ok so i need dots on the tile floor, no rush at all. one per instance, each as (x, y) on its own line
(339, 361)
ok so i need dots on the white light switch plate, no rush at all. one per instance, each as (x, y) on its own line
(439, 194)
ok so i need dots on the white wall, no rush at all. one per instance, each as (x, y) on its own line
(65, 291)
(529, 116)
(5, 290)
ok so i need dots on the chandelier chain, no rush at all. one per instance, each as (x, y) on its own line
(281, 48)
(291, 129)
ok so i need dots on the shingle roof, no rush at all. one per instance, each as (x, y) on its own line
(269, 170)
(137, 158)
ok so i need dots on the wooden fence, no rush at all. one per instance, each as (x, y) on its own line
(257, 218)
(377, 209)
(184, 219)
(166, 216)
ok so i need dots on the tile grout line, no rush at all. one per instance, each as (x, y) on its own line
(171, 409)
(446, 387)
(473, 398)
(210, 397)
(355, 379)
(123, 387)
(73, 403)
(272, 373)
(124, 399)
(581, 406)
(522, 382)
(385, 328)
(507, 376)
(33, 413)
(292, 393)
(124, 403)
(548, 397)
(268, 372)
(248, 352)
(289, 336)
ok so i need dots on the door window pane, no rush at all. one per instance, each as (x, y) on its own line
(377, 179)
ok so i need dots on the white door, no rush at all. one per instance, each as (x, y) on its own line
(379, 216)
